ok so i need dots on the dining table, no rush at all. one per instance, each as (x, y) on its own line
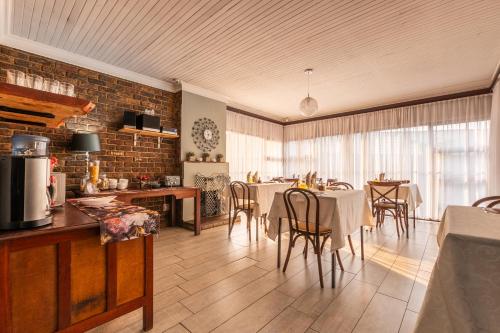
(262, 195)
(463, 294)
(407, 192)
(344, 211)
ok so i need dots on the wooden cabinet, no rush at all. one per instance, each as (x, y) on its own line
(66, 281)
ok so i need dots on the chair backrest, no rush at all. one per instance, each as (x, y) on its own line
(488, 202)
(387, 192)
(342, 185)
(240, 194)
(293, 202)
(331, 181)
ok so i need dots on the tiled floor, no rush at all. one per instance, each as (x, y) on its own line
(212, 283)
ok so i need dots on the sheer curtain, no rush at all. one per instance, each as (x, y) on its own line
(253, 145)
(494, 171)
(442, 146)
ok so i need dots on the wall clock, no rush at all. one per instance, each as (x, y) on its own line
(205, 134)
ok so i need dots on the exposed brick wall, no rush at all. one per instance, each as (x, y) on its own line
(112, 95)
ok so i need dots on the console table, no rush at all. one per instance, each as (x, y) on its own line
(176, 195)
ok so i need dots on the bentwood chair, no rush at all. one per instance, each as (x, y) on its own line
(385, 198)
(340, 185)
(240, 202)
(312, 231)
(488, 202)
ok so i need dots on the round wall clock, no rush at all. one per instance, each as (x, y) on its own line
(205, 134)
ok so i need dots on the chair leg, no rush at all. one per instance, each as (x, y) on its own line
(333, 270)
(318, 255)
(350, 244)
(340, 260)
(230, 226)
(324, 242)
(290, 245)
(249, 221)
(256, 229)
(306, 247)
(397, 223)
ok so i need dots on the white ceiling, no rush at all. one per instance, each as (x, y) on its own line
(364, 52)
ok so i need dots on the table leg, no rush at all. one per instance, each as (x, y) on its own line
(173, 216)
(361, 231)
(197, 213)
(414, 218)
(279, 242)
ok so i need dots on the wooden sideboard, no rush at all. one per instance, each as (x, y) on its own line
(176, 194)
(59, 278)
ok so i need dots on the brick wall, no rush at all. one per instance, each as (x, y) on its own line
(112, 95)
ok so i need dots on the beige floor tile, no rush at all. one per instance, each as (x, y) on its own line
(165, 318)
(346, 309)
(289, 321)
(257, 315)
(195, 285)
(372, 272)
(383, 315)
(215, 292)
(409, 322)
(177, 329)
(315, 300)
(166, 282)
(398, 283)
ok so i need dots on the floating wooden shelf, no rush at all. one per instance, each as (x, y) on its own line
(36, 107)
(148, 133)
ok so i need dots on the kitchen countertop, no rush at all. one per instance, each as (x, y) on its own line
(65, 218)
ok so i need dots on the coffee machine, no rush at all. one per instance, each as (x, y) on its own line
(24, 181)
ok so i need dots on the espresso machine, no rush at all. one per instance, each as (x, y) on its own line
(24, 181)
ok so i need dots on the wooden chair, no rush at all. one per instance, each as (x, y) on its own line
(385, 197)
(341, 185)
(344, 186)
(240, 202)
(311, 230)
(488, 202)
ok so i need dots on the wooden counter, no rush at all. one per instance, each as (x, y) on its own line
(176, 195)
(60, 278)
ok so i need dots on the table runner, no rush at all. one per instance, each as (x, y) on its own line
(119, 221)
(345, 211)
(463, 294)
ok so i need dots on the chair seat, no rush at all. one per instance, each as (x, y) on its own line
(312, 228)
(389, 205)
(243, 203)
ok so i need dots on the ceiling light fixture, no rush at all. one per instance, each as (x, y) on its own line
(308, 106)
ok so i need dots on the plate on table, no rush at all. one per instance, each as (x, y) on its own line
(97, 202)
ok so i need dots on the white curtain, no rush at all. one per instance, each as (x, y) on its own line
(494, 167)
(442, 147)
(253, 145)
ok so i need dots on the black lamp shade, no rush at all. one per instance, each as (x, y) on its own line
(85, 142)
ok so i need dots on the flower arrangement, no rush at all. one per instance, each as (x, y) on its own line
(54, 163)
(205, 156)
(143, 180)
(190, 156)
(220, 157)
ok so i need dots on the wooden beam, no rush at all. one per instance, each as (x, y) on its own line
(253, 115)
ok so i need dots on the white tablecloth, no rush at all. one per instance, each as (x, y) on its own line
(463, 294)
(263, 195)
(408, 192)
(344, 211)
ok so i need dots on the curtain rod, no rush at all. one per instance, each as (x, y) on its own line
(375, 108)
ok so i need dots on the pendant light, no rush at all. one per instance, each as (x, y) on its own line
(308, 106)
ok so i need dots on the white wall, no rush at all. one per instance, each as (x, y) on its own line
(195, 107)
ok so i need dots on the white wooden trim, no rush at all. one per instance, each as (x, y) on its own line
(203, 92)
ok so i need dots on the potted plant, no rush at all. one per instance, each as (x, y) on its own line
(220, 157)
(143, 180)
(190, 156)
(205, 157)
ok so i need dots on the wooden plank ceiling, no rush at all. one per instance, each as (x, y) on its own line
(364, 52)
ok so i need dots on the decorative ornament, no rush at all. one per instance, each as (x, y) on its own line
(205, 134)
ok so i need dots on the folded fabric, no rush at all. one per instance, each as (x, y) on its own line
(119, 221)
